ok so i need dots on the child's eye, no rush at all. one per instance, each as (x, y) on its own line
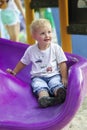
(49, 31)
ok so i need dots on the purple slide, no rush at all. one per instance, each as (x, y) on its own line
(19, 109)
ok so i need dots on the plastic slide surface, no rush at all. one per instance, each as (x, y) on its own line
(19, 109)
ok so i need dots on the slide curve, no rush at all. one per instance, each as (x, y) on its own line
(19, 109)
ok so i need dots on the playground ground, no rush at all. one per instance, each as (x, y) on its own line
(79, 122)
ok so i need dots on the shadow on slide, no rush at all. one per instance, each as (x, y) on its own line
(19, 109)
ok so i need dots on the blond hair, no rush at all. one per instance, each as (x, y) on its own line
(39, 23)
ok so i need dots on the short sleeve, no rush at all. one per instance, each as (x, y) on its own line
(26, 57)
(60, 55)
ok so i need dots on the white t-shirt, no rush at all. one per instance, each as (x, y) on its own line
(44, 63)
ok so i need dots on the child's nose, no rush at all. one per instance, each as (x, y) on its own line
(47, 34)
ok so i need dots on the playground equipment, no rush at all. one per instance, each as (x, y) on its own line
(73, 19)
(30, 6)
(19, 109)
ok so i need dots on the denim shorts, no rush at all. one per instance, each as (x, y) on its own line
(46, 83)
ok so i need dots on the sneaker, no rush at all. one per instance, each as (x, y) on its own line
(61, 95)
(48, 101)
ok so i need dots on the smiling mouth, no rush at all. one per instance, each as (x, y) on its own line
(47, 40)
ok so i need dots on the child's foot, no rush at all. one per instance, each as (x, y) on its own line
(61, 95)
(47, 101)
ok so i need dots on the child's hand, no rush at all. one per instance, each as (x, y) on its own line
(65, 82)
(11, 71)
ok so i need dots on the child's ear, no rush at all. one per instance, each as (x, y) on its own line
(34, 35)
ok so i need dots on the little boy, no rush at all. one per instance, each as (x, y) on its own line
(49, 70)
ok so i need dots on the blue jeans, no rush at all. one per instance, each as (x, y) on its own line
(49, 84)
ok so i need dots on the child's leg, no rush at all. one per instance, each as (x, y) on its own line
(43, 93)
(57, 88)
(41, 89)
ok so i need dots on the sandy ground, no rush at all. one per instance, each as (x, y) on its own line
(79, 122)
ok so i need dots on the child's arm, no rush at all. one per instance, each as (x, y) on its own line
(3, 4)
(64, 74)
(17, 69)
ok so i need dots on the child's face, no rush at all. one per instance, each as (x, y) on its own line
(43, 35)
